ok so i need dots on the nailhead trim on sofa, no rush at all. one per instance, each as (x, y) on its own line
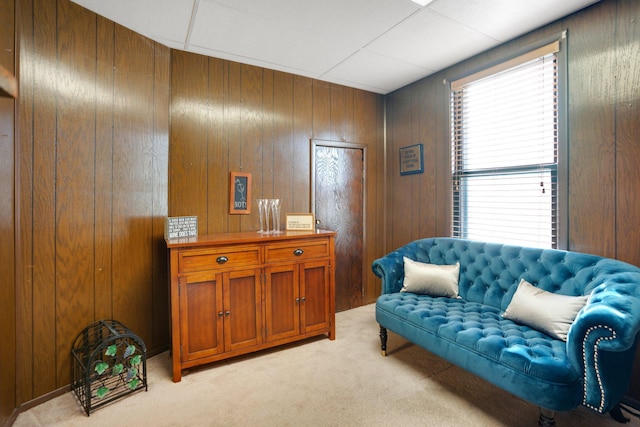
(595, 364)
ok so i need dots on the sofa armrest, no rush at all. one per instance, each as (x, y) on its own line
(390, 268)
(602, 340)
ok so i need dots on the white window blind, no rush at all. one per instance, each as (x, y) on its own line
(505, 151)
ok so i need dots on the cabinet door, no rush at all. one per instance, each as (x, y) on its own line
(282, 301)
(200, 316)
(242, 309)
(315, 311)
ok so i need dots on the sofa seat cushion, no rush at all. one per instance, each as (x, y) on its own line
(471, 329)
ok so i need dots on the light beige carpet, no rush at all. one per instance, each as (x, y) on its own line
(345, 382)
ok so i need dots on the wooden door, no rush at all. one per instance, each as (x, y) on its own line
(242, 309)
(338, 202)
(282, 302)
(314, 296)
(201, 316)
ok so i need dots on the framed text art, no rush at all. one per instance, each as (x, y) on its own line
(411, 159)
(180, 226)
(300, 222)
(240, 193)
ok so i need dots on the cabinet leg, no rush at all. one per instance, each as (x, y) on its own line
(383, 340)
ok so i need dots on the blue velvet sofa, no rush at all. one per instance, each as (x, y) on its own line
(592, 368)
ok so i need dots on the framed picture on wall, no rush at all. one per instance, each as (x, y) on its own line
(411, 160)
(239, 193)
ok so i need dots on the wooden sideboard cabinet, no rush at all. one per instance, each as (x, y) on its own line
(236, 293)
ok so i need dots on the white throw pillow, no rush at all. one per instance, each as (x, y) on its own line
(545, 311)
(430, 279)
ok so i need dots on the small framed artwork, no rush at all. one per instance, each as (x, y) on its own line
(411, 159)
(180, 226)
(300, 222)
(239, 193)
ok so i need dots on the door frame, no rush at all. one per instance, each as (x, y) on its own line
(352, 145)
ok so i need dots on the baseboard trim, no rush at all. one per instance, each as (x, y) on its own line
(12, 418)
(35, 402)
(58, 392)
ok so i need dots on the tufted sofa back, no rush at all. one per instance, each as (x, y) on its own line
(490, 272)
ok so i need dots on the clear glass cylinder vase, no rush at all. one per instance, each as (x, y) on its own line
(262, 203)
(275, 214)
(267, 211)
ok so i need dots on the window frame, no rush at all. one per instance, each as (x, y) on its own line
(561, 172)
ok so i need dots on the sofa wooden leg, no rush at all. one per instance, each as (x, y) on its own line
(383, 340)
(547, 418)
(616, 414)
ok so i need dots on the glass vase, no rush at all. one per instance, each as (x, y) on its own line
(262, 203)
(267, 211)
(275, 214)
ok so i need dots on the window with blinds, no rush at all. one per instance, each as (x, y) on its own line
(504, 133)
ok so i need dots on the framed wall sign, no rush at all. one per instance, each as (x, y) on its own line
(240, 193)
(180, 226)
(411, 159)
(300, 222)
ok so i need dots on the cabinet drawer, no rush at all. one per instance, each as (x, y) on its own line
(293, 251)
(208, 259)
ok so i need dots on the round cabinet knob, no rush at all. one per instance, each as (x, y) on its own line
(222, 259)
(298, 252)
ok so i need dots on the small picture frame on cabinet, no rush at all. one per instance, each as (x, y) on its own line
(300, 222)
(180, 226)
(239, 193)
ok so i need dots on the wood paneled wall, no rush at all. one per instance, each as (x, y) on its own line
(7, 219)
(604, 121)
(93, 172)
(93, 183)
(229, 117)
(604, 149)
(99, 167)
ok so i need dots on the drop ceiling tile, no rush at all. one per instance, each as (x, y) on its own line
(167, 20)
(311, 36)
(361, 43)
(432, 41)
(506, 19)
(252, 61)
(374, 72)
